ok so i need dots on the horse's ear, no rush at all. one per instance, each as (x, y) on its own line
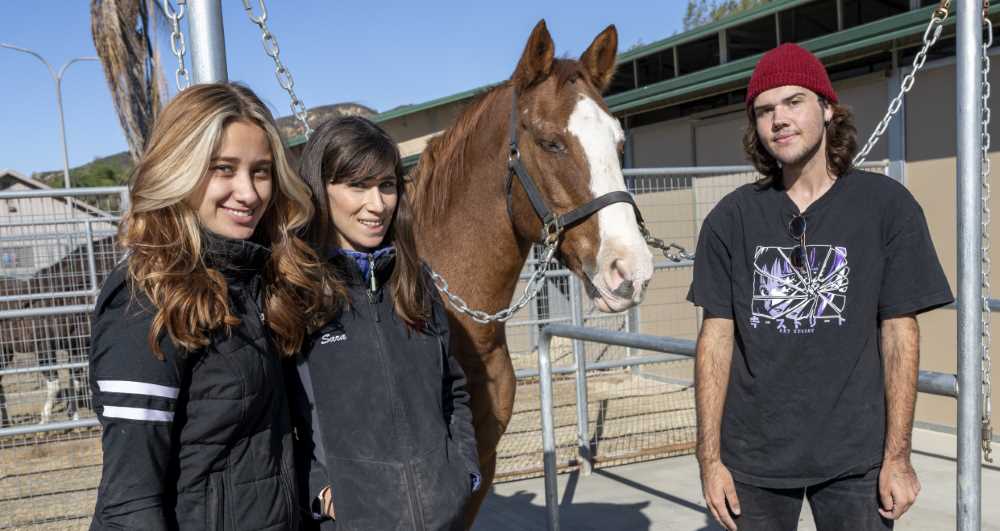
(599, 60)
(536, 61)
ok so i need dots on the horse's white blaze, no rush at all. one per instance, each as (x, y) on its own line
(599, 134)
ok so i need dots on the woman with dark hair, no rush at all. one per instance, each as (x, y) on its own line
(189, 331)
(390, 442)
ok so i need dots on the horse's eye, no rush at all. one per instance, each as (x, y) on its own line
(552, 146)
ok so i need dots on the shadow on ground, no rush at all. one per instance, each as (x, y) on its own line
(525, 511)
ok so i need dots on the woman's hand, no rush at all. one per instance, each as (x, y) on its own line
(326, 502)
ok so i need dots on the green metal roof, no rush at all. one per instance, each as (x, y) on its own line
(832, 45)
(760, 11)
(403, 110)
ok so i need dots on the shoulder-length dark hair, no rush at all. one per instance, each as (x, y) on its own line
(355, 150)
(841, 145)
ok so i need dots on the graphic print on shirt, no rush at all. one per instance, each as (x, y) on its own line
(796, 300)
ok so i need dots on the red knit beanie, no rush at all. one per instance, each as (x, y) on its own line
(790, 64)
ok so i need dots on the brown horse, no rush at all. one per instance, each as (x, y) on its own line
(466, 229)
(46, 336)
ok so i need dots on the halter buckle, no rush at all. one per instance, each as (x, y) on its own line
(513, 154)
(552, 229)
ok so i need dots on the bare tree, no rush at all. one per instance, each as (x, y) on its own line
(701, 12)
(125, 38)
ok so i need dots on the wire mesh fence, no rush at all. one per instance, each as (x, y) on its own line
(56, 247)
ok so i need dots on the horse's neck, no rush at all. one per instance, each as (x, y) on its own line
(472, 243)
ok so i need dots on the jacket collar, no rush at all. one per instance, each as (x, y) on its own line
(234, 259)
(358, 266)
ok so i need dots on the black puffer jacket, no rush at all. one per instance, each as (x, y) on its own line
(196, 441)
(383, 413)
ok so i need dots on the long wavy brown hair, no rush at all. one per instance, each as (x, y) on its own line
(163, 235)
(841, 145)
(357, 151)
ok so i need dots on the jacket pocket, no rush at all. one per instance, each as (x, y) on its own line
(369, 495)
(215, 503)
(443, 486)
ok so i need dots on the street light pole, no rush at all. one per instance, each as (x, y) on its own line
(57, 77)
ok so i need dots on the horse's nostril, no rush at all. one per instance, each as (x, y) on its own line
(625, 290)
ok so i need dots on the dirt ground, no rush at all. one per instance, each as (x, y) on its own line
(49, 480)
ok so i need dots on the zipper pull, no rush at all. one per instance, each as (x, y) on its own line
(372, 286)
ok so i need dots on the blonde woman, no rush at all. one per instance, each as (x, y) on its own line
(188, 333)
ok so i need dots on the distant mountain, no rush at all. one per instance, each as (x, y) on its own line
(114, 170)
(290, 126)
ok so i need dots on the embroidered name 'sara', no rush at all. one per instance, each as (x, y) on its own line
(332, 338)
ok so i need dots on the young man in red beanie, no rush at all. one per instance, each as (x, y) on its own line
(810, 280)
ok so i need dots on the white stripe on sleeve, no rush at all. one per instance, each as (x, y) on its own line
(138, 413)
(137, 388)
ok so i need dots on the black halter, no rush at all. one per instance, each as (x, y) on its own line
(552, 224)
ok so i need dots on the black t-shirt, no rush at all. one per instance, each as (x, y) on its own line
(806, 395)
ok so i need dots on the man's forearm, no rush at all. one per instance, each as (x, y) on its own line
(712, 363)
(901, 362)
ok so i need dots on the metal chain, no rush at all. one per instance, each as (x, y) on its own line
(931, 35)
(281, 72)
(672, 251)
(182, 77)
(987, 429)
(532, 288)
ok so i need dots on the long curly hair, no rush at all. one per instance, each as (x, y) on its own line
(841, 145)
(163, 236)
(355, 150)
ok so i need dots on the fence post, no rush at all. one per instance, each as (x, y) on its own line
(969, 199)
(548, 432)
(632, 326)
(91, 262)
(123, 202)
(580, 360)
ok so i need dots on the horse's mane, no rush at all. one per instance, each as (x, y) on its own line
(443, 161)
(442, 164)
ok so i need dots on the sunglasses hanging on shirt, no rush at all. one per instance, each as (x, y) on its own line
(797, 230)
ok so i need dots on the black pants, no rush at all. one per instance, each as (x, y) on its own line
(849, 504)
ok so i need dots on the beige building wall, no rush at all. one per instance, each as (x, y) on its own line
(413, 131)
(930, 176)
(867, 97)
(663, 144)
(719, 139)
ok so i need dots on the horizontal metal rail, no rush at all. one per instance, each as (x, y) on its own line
(606, 365)
(43, 368)
(45, 222)
(46, 312)
(928, 382)
(71, 236)
(717, 170)
(28, 429)
(43, 296)
(64, 192)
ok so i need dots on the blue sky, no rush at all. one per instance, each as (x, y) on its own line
(380, 54)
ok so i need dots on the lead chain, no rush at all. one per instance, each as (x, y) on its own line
(281, 72)
(531, 289)
(987, 429)
(181, 75)
(931, 35)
